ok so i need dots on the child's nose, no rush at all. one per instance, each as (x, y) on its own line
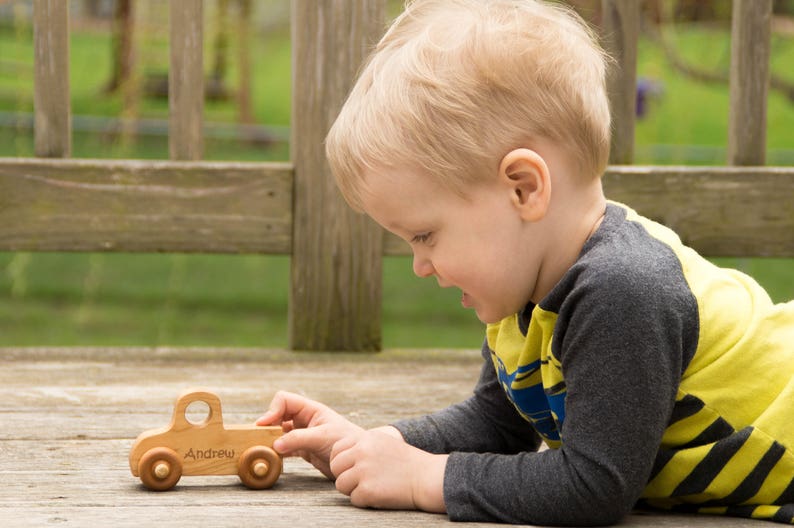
(422, 266)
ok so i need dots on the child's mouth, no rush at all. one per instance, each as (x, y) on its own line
(465, 300)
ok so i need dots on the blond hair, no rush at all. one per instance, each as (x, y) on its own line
(454, 85)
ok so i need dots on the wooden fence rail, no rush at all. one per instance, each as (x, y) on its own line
(185, 205)
(209, 207)
(110, 205)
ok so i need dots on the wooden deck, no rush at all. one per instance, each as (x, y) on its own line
(68, 418)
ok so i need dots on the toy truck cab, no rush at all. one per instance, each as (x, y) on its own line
(159, 457)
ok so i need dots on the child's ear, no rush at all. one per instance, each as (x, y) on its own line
(526, 174)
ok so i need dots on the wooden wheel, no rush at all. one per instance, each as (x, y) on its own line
(160, 468)
(259, 467)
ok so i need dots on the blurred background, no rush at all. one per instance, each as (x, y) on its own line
(119, 82)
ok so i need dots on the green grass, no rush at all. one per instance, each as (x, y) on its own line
(234, 300)
(116, 299)
(170, 300)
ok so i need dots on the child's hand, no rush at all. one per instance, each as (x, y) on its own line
(311, 428)
(378, 470)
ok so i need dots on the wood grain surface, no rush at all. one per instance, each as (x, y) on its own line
(68, 418)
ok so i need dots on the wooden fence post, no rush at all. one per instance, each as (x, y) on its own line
(186, 81)
(619, 32)
(750, 48)
(53, 118)
(335, 300)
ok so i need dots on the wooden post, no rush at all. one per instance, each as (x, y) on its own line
(620, 31)
(335, 301)
(53, 118)
(186, 81)
(750, 48)
(245, 110)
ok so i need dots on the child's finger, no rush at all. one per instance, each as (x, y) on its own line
(341, 459)
(346, 482)
(284, 407)
(269, 418)
(275, 411)
(343, 444)
(309, 440)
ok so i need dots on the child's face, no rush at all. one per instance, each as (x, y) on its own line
(478, 244)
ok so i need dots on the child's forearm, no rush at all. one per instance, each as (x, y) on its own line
(429, 490)
(486, 422)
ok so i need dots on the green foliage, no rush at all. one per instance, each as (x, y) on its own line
(687, 122)
(90, 68)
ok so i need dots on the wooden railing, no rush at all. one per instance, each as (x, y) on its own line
(186, 205)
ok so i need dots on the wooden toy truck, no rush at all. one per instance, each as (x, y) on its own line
(161, 456)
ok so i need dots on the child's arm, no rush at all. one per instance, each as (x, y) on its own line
(612, 433)
(623, 359)
(485, 423)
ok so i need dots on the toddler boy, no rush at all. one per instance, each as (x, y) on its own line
(478, 132)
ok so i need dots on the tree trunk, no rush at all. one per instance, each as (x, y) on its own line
(123, 56)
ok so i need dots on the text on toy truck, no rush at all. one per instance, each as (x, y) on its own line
(209, 453)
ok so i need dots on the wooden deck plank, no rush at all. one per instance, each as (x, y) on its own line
(69, 417)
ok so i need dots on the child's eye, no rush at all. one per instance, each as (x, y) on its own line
(422, 238)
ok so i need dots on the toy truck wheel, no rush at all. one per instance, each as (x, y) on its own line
(259, 467)
(160, 469)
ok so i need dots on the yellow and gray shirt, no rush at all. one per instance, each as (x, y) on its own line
(655, 378)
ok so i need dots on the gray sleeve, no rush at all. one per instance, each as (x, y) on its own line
(622, 365)
(486, 422)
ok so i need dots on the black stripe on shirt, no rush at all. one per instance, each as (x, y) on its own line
(711, 465)
(753, 481)
(662, 458)
(785, 514)
(741, 511)
(684, 408)
(717, 431)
